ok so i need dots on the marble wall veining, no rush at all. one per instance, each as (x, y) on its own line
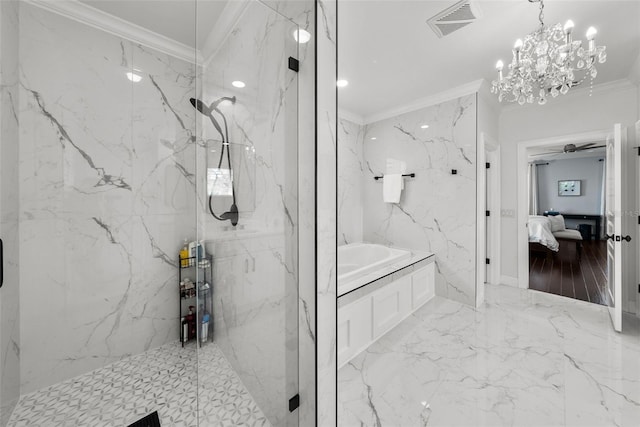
(106, 196)
(9, 211)
(437, 210)
(351, 166)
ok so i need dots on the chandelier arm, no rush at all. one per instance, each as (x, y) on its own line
(541, 15)
(544, 64)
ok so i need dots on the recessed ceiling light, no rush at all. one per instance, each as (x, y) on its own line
(134, 77)
(373, 138)
(424, 126)
(301, 36)
(238, 84)
(342, 83)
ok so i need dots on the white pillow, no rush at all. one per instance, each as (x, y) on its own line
(557, 223)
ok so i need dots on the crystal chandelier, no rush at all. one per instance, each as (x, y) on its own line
(546, 63)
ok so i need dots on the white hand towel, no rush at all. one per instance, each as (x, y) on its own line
(392, 188)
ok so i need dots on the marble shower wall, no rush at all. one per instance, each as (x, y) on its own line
(437, 210)
(107, 178)
(351, 167)
(256, 264)
(9, 203)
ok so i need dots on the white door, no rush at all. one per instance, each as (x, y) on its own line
(614, 224)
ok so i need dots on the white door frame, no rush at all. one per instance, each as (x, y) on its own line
(636, 235)
(492, 153)
(481, 176)
(522, 212)
(488, 150)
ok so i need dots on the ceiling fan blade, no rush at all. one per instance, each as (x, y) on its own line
(583, 146)
(589, 147)
(545, 154)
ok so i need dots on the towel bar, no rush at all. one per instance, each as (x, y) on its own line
(412, 175)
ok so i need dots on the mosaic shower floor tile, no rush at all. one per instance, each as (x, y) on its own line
(186, 391)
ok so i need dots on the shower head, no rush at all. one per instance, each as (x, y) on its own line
(207, 110)
(201, 106)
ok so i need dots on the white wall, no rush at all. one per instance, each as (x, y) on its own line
(488, 113)
(574, 113)
(588, 170)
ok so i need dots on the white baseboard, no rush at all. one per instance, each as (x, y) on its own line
(629, 307)
(509, 281)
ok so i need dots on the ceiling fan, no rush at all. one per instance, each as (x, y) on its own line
(571, 148)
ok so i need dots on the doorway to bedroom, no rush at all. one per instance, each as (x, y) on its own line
(566, 201)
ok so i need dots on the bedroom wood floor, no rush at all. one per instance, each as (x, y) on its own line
(562, 274)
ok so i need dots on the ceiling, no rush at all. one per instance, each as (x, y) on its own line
(391, 57)
(175, 19)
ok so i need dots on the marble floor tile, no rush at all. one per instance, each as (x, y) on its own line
(524, 358)
(167, 379)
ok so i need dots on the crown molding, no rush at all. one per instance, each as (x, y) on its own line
(106, 22)
(351, 116)
(438, 98)
(615, 85)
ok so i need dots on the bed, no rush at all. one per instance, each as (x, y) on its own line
(546, 233)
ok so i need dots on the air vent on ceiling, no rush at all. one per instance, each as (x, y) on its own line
(455, 17)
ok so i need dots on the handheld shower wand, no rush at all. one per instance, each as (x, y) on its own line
(232, 213)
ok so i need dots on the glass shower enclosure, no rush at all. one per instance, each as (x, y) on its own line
(248, 175)
(128, 128)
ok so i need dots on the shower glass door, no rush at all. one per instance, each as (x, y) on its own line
(248, 213)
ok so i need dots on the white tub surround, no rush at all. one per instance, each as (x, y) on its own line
(357, 259)
(368, 312)
(361, 264)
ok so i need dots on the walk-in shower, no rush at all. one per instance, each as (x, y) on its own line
(90, 327)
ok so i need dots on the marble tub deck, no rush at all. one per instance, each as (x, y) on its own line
(525, 358)
(166, 379)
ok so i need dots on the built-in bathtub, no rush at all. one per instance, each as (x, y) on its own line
(378, 287)
(357, 259)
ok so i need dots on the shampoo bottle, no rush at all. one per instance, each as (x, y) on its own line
(184, 254)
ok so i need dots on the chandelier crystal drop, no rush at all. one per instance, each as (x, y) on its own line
(547, 62)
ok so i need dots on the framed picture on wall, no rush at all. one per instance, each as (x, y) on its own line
(569, 188)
